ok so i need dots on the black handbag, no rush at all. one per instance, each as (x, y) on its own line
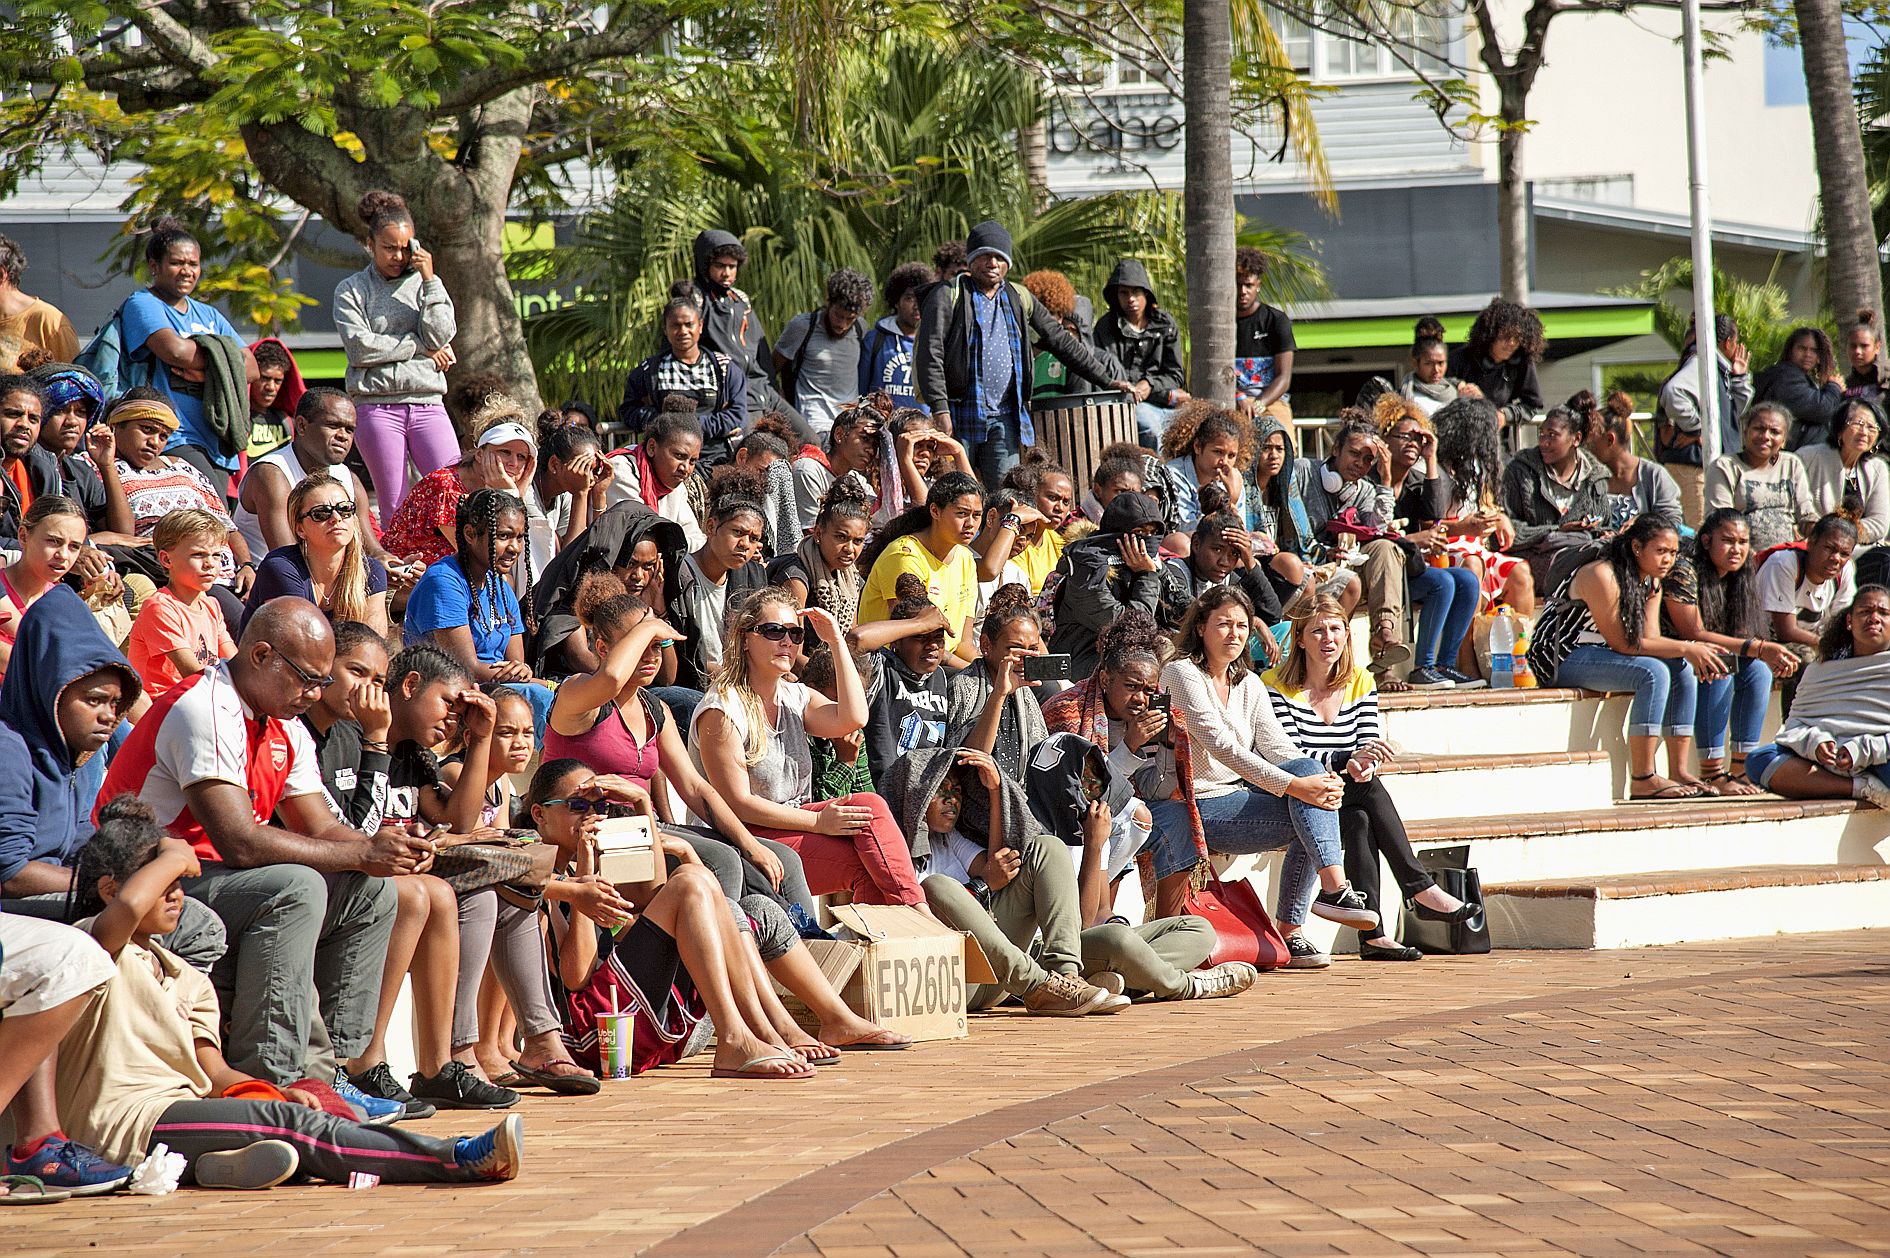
(1450, 866)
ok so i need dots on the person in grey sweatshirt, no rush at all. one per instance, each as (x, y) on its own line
(396, 324)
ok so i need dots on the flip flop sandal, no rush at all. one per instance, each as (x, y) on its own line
(747, 1069)
(29, 1190)
(1672, 793)
(873, 1044)
(806, 1053)
(563, 1085)
(1731, 780)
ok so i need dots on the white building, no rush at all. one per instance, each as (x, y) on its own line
(1415, 230)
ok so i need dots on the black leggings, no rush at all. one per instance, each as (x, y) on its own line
(1370, 827)
(330, 1147)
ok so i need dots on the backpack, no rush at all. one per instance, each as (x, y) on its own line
(106, 356)
(788, 377)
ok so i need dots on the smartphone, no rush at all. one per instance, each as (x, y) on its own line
(1046, 668)
(412, 266)
(1163, 702)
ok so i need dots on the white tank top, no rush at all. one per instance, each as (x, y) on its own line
(282, 459)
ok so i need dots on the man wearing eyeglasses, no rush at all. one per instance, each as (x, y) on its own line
(304, 898)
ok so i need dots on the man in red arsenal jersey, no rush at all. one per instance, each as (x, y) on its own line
(304, 898)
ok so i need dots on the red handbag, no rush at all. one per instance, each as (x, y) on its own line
(1243, 929)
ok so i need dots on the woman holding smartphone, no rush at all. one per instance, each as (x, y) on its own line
(397, 326)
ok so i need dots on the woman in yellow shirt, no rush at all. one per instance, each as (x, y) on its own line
(933, 542)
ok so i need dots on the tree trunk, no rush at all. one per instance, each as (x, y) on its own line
(1034, 145)
(1208, 196)
(1852, 275)
(470, 260)
(1512, 207)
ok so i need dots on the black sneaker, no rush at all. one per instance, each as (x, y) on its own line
(1346, 907)
(1463, 681)
(456, 1087)
(1303, 955)
(1427, 678)
(379, 1081)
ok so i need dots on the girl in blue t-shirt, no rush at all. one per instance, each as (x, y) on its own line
(158, 325)
(464, 605)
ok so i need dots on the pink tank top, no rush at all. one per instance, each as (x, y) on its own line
(610, 747)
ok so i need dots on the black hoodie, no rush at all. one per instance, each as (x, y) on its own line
(1055, 785)
(1151, 353)
(731, 325)
(605, 545)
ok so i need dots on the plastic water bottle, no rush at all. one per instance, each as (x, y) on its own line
(1502, 650)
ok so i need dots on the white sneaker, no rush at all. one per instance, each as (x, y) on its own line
(1873, 788)
(1229, 978)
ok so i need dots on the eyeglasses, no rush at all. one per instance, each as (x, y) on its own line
(330, 511)
(310, 681)
(775, 632)
(1407, 438)
(579, 807)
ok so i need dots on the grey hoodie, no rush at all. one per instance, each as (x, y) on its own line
(388, 327)
(914, 779)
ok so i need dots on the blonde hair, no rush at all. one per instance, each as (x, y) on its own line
(730, 678)
(351, 584)
(1391, 409)
(1293, 669)
(186, 525)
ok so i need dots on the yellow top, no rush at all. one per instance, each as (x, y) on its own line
(951, 583)
(1039, 558)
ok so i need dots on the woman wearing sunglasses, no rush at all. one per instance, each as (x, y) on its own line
(326, 565)
(749, 739)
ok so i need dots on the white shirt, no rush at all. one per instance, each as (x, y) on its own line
(1781, 591)
(708, 603)
(625, 486)
(952, 856)
(204, 739)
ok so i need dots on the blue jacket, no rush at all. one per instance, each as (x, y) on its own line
(59, 642)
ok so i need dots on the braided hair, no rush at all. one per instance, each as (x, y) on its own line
(482, 509)
(127, 838)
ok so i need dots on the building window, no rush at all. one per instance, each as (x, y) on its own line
(1327, 53)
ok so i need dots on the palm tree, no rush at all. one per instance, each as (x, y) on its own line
(925, 146)
(1853, 275)
(1208, 60)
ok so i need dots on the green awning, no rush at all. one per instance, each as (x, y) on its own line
(1605, 323)
(321, 364)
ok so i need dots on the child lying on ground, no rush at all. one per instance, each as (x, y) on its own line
(143, 1066)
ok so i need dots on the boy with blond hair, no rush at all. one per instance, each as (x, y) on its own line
(180, 630)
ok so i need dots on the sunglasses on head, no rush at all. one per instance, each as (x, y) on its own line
(329, 511)
(775, 632)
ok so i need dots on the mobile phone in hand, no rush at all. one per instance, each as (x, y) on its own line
(1046, 667)
(1164, 703)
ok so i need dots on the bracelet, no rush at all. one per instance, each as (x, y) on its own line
(368, 744)
(1746, 648)
(1013, 522)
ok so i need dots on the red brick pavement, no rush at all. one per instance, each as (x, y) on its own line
(1703, 1099)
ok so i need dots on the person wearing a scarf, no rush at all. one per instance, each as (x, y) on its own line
(1112, 709)
(823, 571)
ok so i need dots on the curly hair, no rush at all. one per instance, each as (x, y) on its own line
(1010, 603)
(379, 209)
(1627, 572)
(905, 278)
(127, 838)
(1391, 409)
(167, 231)
(1468, 448)
(1507, 318)
(1250, 261)
(1838, 641)
(1130, 639)
(849, 290)
(1054, 290)
(1201, 421)
(1827, 356)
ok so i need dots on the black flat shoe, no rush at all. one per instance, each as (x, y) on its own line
(1375, 952)
(1463, 913)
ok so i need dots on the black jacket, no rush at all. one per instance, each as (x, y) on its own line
(1531, 509)
(1510, 386)
(1096, 587)
(549, 614)
(941, 354)
(1152, 352)
(42, 472)
(731, 325)
(1813, 406)
(1181, 585)
(720, 414)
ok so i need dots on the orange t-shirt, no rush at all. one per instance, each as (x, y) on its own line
(16, 472)
(165, 624)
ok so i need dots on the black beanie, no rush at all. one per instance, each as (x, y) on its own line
(989, 237)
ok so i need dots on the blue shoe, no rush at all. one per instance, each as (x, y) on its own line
(498, 1154)
(375, 1112)
(63, 1163)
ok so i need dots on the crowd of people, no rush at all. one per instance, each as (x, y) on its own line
(317, 695)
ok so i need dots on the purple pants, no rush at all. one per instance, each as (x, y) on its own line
(391, 433)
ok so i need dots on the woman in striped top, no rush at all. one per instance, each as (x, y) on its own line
(1328, 707)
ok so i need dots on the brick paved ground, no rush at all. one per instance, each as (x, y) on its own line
(1724, 1099)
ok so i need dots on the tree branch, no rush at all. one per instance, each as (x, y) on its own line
(543, 65)
(184, 50)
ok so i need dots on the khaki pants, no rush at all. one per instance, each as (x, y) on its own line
(1383, 576)
(1692, 482)
(1042, 897)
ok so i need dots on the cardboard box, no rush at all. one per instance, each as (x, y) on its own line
(626, 849)
(901, 969)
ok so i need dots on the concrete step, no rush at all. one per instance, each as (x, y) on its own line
(1441, 787)
(1639, 838)
(1520, 722)
(1678, 906)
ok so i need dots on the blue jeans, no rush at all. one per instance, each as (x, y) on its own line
(1763, 762)
(541, 699)
(1246, 821)
(1151, 421)
(997, 451)
(1447, 600)
(1665, 691)
(1740, 696)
